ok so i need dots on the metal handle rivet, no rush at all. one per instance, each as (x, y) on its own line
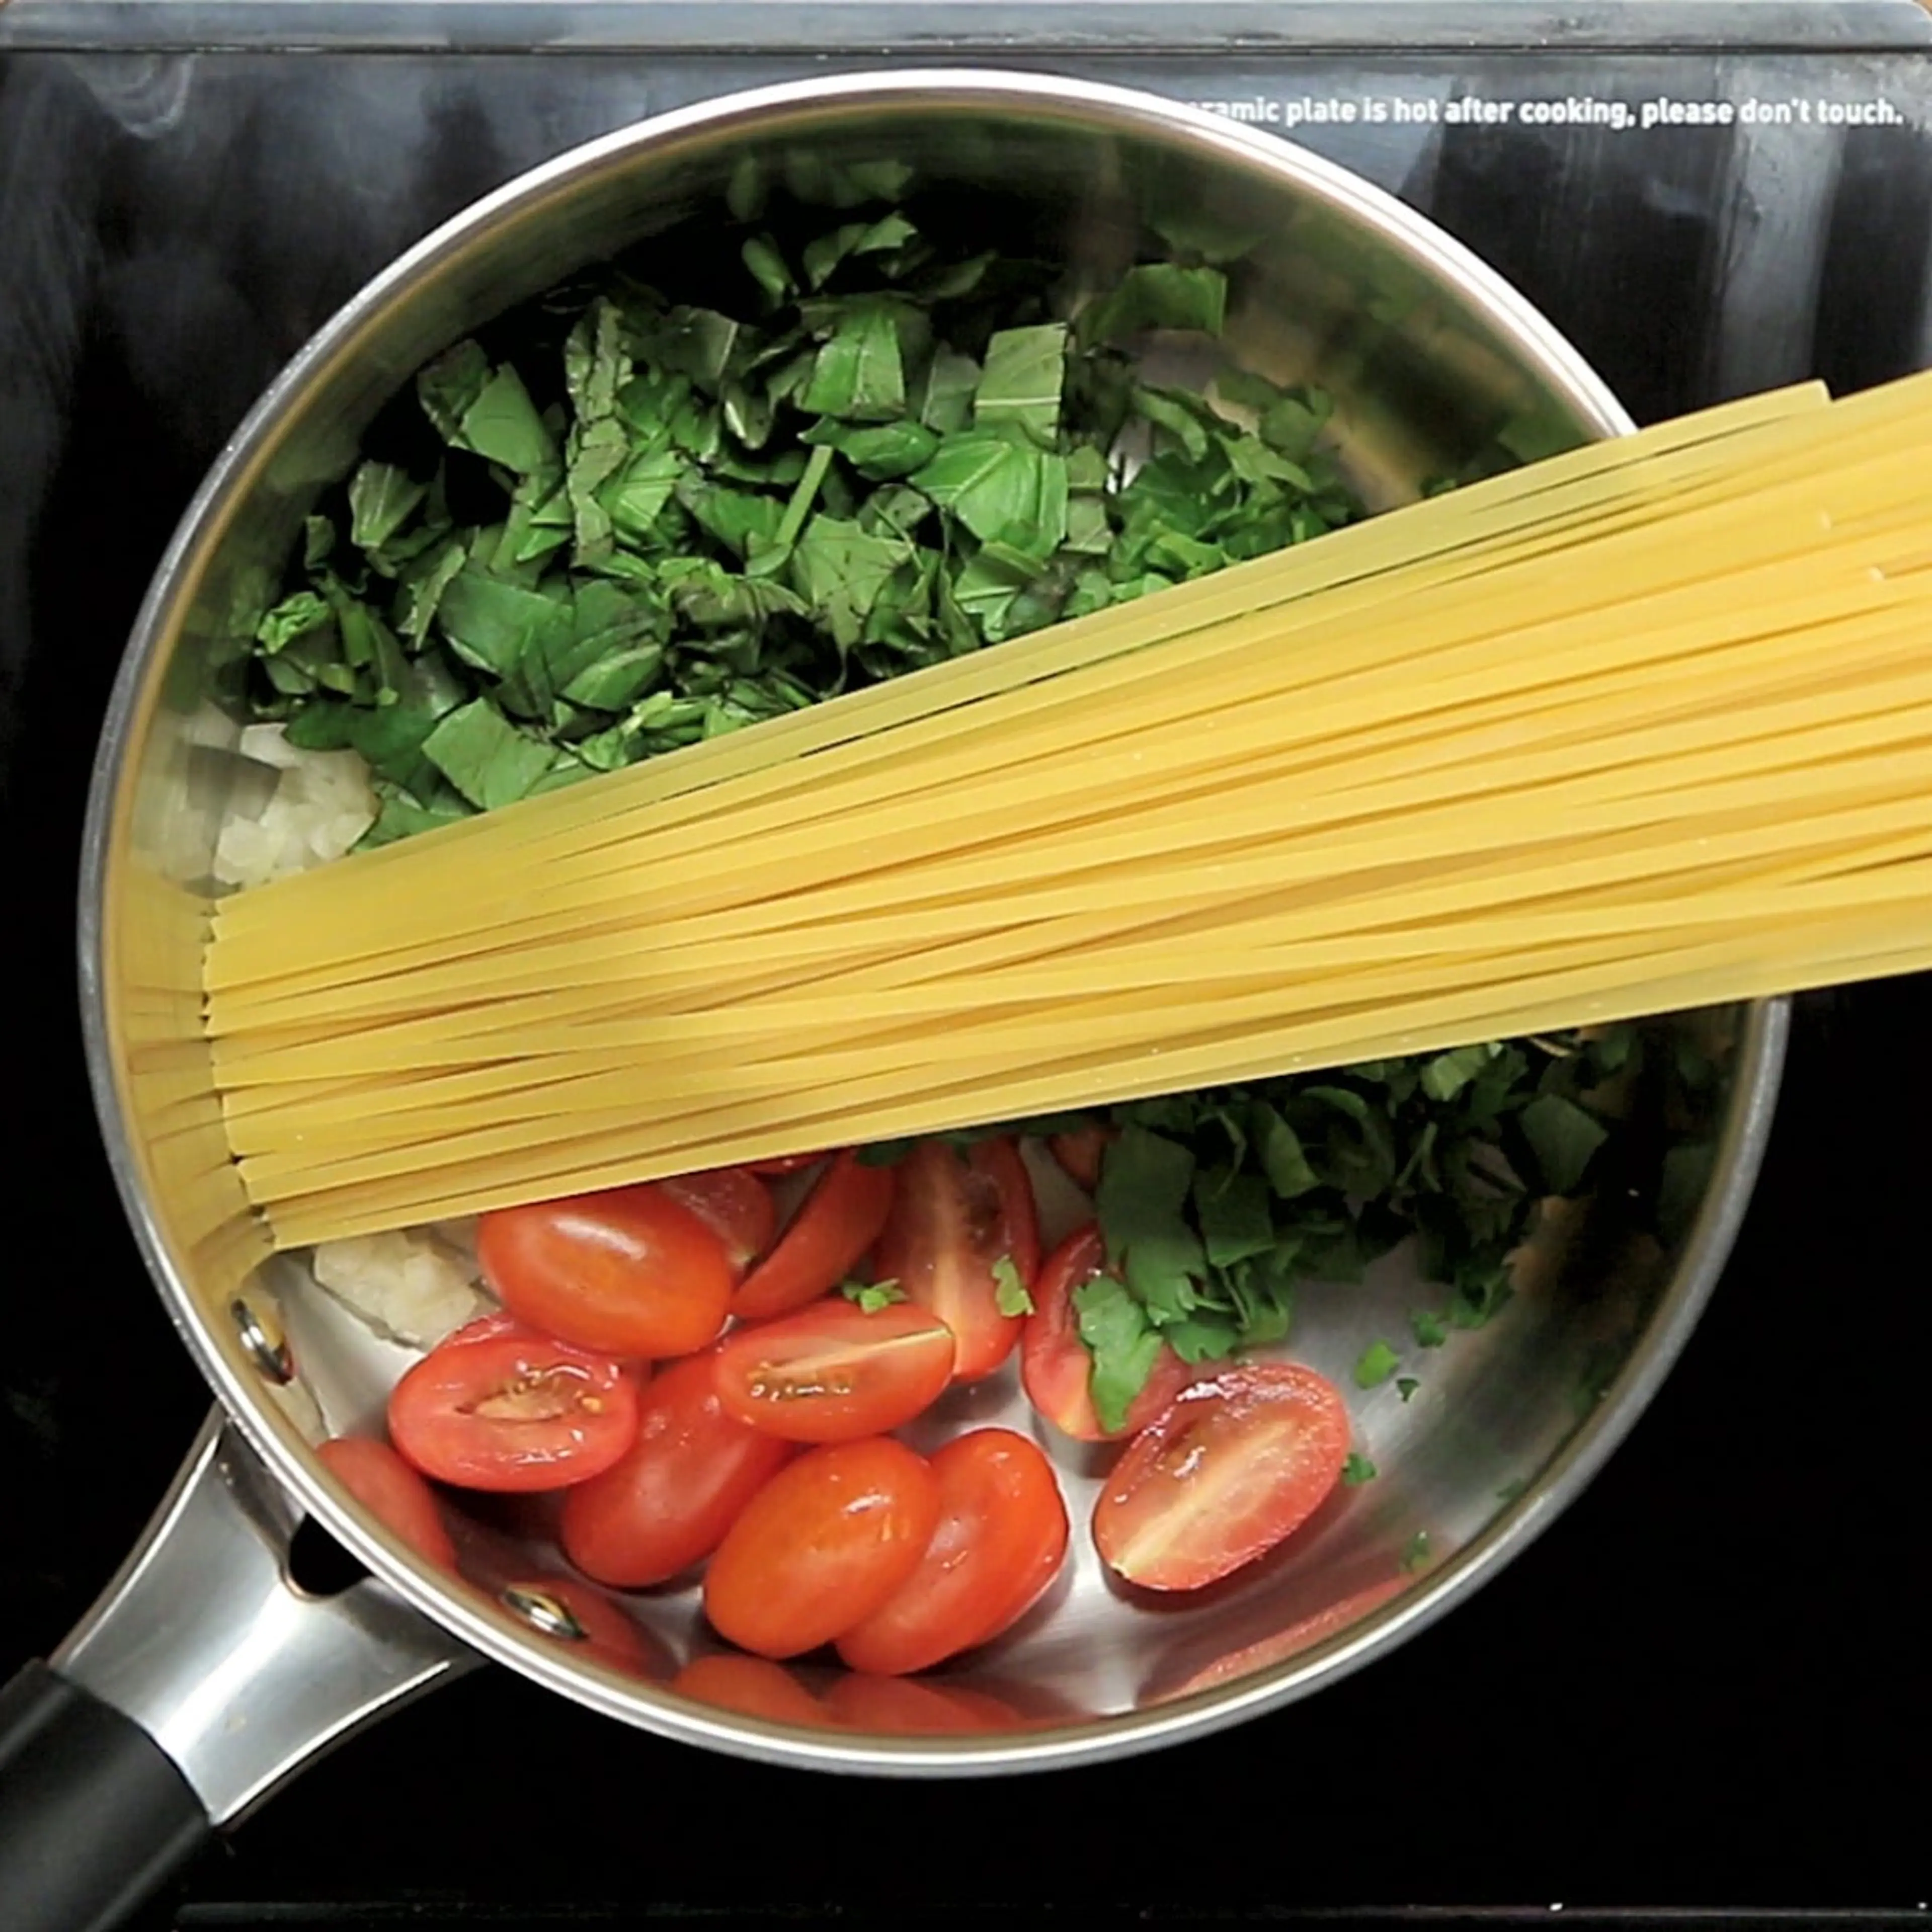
(543, 1612)
(260, 1333)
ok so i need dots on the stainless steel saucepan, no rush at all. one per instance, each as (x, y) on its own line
(207, 1672)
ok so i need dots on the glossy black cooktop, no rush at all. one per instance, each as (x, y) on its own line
(1705, 1688)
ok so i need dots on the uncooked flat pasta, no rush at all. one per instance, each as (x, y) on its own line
(1644, 726)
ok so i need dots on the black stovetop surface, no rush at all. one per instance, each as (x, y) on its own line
(1706, 1687)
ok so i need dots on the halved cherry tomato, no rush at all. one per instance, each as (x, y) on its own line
(1233, 1465)
(735, 1204)
(821, 1547)
(668, 1505)
(783, 1163)
(1055, 1365)
(609, 1635)
(1001, 1536)
(955, 1220)
(833, 1372)
(1080, 1154)
(753, 1686)
(514, 1410)
(627, 1272)
(897, 1708)
(392, 1492)
(840, 1219)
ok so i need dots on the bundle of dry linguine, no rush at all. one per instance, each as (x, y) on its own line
(1643, 726)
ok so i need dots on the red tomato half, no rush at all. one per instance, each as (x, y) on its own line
(609, 1635)
(832, 1373)
(1001, 1536)
(627, 1272)
(513, 1410)
(898, 1709)
(840, 1219)
(1232, 1466)
(1080, 1154)
(955, 1217)
(668, 1505)
(821, 1547)
(392, 1492)
(753, 1686)
(735, 1204)
(1055, 1365)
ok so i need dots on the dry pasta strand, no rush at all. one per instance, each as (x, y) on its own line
(1643, 726)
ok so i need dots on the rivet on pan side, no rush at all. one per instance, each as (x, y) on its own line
(259, 1329)
(543, 1612)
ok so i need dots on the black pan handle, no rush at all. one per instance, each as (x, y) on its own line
(202, 1678)
(94, 1816)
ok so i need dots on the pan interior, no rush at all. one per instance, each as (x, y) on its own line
(1436, 373)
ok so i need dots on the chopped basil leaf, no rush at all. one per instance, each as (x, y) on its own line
(1562, 1137)
(1377, 1364)
(1445, 1075)
(1157, 295)
(1234, 1211)
(1358, 1469)
(996, 484)
(1123, 1344)
(295, 616)
(858, 373)
(1009, 1292)
(1025, 369)
(869, 1296)
(488, 759)
(502, 424)
(382, 499)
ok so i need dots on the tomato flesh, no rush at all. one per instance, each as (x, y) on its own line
(1232, 1466)
(735, 1204)
(838, 1221)
(626, 1272)
(1056, 1366)
(957, 1216)
(392, 1492)
(999, 1542)
(834, 1372)
(821, 1547)
(1080, 1154)
(679, 1488)
(513, 1412)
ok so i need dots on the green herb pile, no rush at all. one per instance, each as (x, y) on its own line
(1214, 1206)
(635, 522)
(620, 522)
